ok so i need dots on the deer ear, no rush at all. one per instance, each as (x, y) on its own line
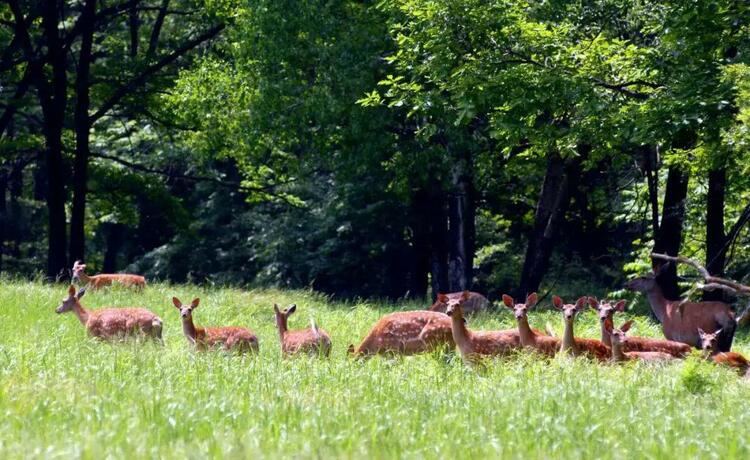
(531, 300)
(557, 302)
(292, 308)
(718, 331)
(276, 309)
(593, 303)
(195, 302)
(620, 305)
(626, 327)
(71, 290)
(176, 302)
(442, 298)
(581, 303)
(80, 293)
(701, 333)
(508, 301)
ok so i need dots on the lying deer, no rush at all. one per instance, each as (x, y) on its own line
(472, 344)
(591, 348)
(710, 347)
(313, 341)
(407, 332)
(606, 311)
(106, 323)
(529, 338)
(99, 281)
(230, 337)
(476, 302)
(680, 319)
(619, 339)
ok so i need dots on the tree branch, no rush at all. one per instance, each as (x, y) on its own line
(152, 69)
(711, 281)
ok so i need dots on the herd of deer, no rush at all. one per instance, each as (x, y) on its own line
(684, 324)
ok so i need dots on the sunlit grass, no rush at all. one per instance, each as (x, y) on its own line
(64, 395)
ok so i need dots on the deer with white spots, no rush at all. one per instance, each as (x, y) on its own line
(606, 311)
(108, 323)
(229, 337)
(99, 281)
(312, 341)
(578, 346)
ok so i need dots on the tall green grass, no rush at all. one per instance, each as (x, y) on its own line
(63, 395)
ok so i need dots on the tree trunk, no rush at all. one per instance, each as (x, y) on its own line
(3, 215)
(716, 247)
(461, 228)
(651, 169)
(53, 102)
(438, 243)
(82, 131)
(550, 211)
(13, 228)
(420, 240)
(669, 238)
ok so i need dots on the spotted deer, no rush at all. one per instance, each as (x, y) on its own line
(606, 311)
(407, 332)
(99, 281)
(578, 346)
(229, 337)
(619, 339)
(710, 347)
(680, 320)
(543, 344)
(108, 323)
(312, 341)
(472, 344)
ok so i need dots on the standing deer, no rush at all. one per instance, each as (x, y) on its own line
(591, 348)
(230, 337)
(710, 347)
(106, 323)
(543, 344)
(680, 320)
(606, 311)
(99, 281)
(476, 302)
(313, 341)
(619, 339)
(407, 333)
(472, 344)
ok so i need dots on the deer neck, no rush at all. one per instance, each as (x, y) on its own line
(85, 279)
(81, 313)
(606, 338)
(617, 353)
(189, 329)
(281, 325)
(525, 334)
(568, 339)
(658, 302)
(461, 335)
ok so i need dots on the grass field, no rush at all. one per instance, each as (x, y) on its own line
(63, 395)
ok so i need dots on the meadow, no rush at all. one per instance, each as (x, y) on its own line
(63, 395)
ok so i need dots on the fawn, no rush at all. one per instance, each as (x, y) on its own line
(606, 310)
(106, 323)
(710, 347)
(313, 341)
(407, 332)
(619, 339)
(530, 339)
(99, 281)
(578, 346)
(680, 320)
(231, 337)
(476, 302)
(476, 343)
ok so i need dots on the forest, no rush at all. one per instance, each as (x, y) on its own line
(375, 149)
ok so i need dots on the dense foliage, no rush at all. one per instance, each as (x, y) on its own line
(375, 148)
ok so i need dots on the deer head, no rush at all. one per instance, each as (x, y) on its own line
(186, 311)
(68, 303)
(520, 309)
(569, 311)
(453, 305)
(606, 310)
(709, 342)
(618, 335)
